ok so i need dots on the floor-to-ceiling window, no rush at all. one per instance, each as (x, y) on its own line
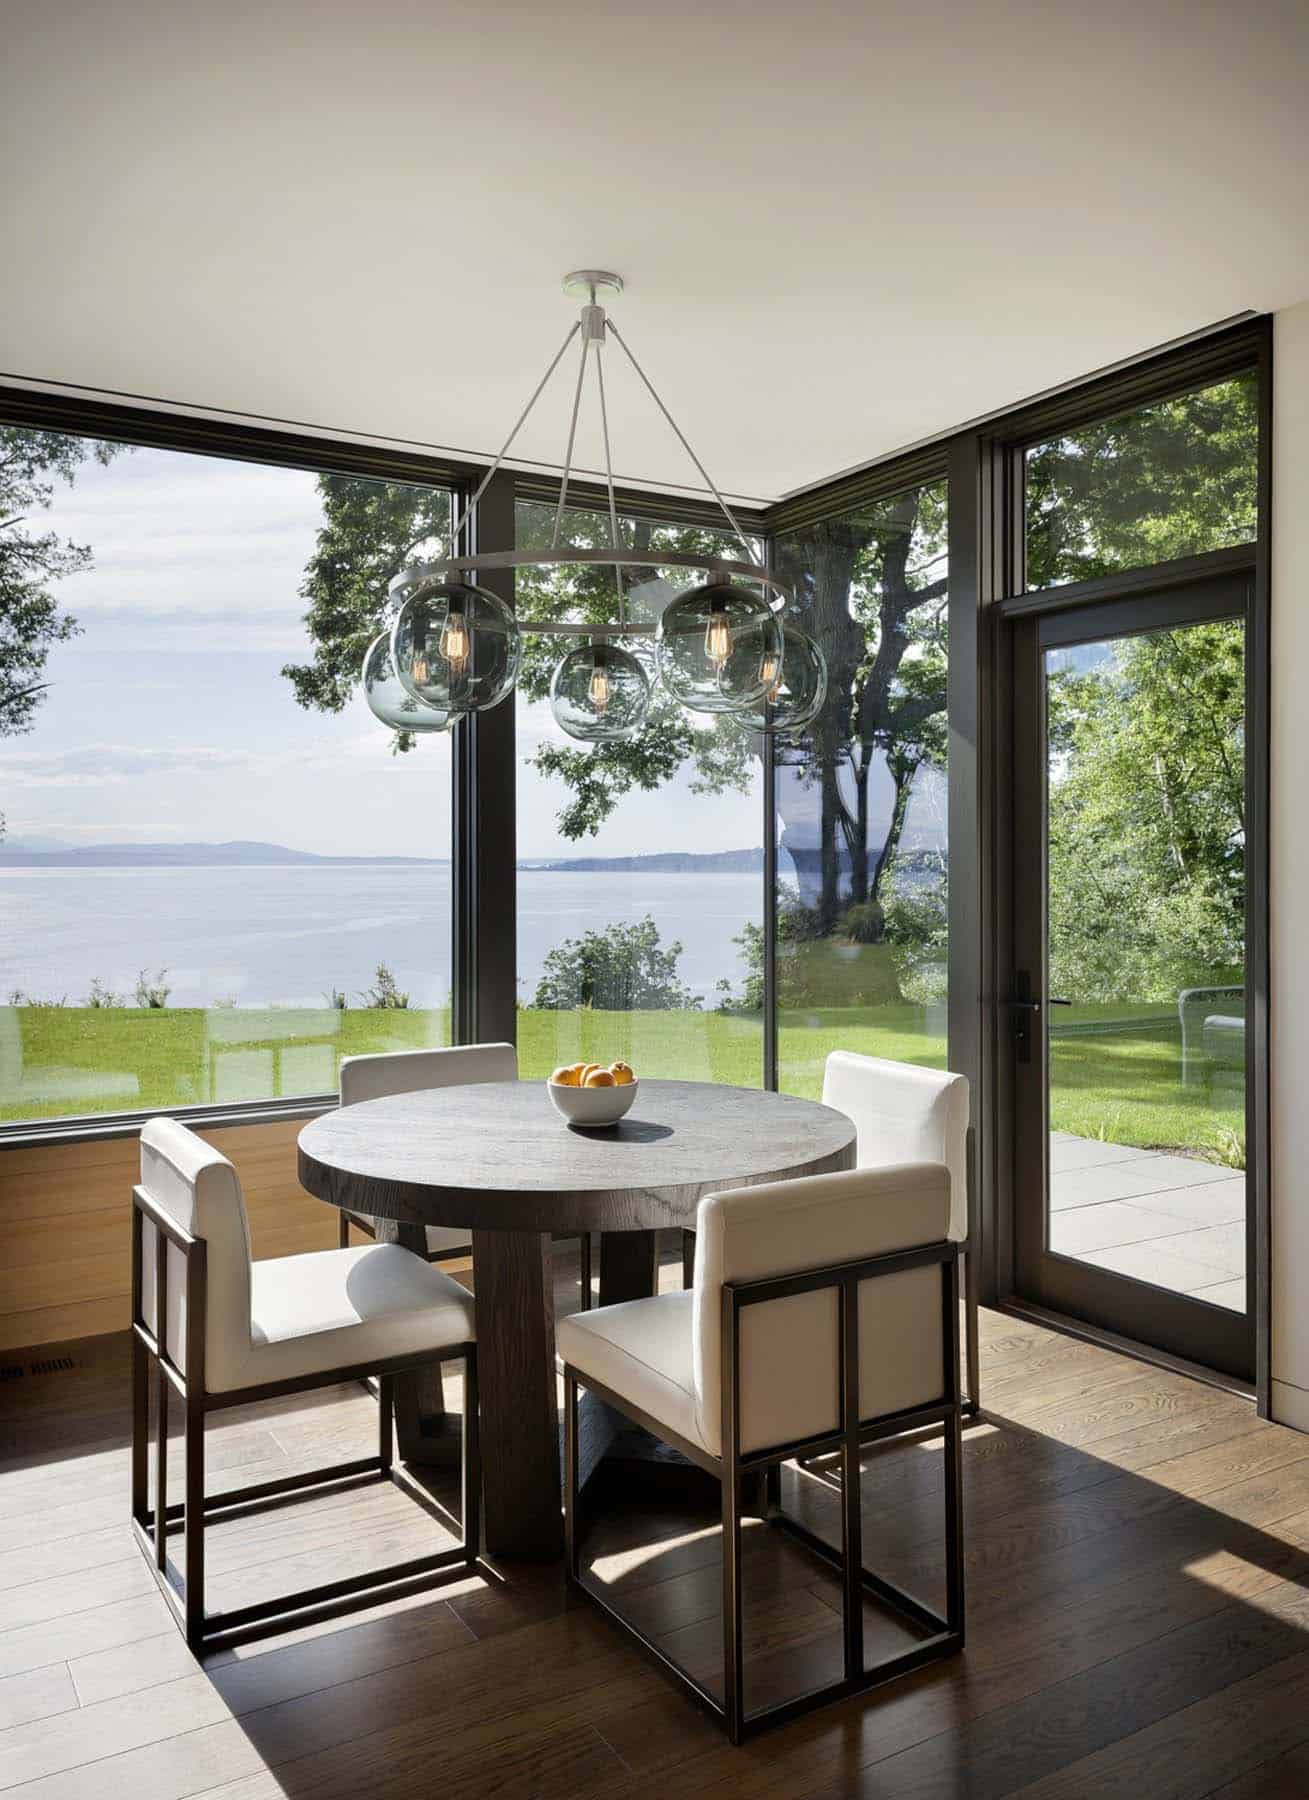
(217, 877)
(861, 797)
(640, 863)
(1129, 870)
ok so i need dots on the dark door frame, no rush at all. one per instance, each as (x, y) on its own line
(987, 587)
(1209, 1336)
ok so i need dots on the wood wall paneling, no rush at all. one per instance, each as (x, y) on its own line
(65, 1220)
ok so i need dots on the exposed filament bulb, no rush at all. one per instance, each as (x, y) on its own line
(420, 669)
(717, 634)
(598, 690)
(456, 640)
(770, 674)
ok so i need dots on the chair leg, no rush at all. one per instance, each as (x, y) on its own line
(161, 1468)
(972, 1347)
(472, 1462)
(140, 1431)
(733, 1670)
(584, 1247)
(571, 1552)
(954, 1526)
(194, 1526)
(386, 1422)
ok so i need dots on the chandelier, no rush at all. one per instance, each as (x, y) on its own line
(722, 645)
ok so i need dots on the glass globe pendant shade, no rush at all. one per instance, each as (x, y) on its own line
(455, 646)
(718, 648)
(392, 704)
(600, 693)
(796, 690)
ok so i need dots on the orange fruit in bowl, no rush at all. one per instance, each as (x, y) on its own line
(622, 1073)
(566, 1077)
(584, 1070)
(598, 1078)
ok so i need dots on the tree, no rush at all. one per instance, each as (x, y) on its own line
(623, 968)
(1147, 815)
(370, 531)
(31, 562)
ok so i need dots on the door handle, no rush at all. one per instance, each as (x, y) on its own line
(1024, 1010)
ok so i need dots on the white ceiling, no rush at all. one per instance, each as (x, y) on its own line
(845, 227)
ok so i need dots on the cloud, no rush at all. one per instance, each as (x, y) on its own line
(105, 763)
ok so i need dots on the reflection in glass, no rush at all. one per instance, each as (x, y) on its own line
(455, 647)
(600, 693)
(796, 688)
(861, 794)
(719, 648)
(393, 704)
(1146, 918)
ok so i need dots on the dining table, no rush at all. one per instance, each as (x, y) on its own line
(497, 1159)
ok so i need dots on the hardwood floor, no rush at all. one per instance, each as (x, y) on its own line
(1138, 1562)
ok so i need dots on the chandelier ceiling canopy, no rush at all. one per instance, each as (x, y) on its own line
(720, 646)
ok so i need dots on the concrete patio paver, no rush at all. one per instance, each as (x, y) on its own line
(1176, 1222)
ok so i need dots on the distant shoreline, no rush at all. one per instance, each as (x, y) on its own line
(263, 856)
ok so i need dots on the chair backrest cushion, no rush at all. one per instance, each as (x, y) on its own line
(409, 1071)
(198, 1188)
(904, 1113)
(789, 1348)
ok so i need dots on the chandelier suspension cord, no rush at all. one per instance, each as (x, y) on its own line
(609, 482)
(572, 434)
(504, 448)
(681, 437)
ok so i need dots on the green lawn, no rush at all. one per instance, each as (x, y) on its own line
(1123, 1085)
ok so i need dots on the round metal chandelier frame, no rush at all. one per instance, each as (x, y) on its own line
(594, 327)
(416, 574)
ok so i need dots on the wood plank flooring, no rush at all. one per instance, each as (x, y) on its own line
(1138, 1564)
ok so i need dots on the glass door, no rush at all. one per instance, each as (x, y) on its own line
(1126, 1013)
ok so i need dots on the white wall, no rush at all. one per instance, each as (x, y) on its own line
(1289, 849)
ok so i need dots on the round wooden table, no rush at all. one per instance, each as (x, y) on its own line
(497, 1159)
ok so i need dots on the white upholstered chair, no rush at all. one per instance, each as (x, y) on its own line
(216, 1329)
(904, 1113)
(822, 1316)
(409, 1071)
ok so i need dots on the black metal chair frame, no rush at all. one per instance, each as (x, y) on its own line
(153, 1526)
(972, 1399)
(734, 1468)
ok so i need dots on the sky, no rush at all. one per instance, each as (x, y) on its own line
(167, 720)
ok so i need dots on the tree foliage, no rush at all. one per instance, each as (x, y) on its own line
(1147, 815)
(32, 621)
(624, 968)
(370, 531)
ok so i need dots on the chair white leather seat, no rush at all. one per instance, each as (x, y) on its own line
(334, 1308)
(641, 1349)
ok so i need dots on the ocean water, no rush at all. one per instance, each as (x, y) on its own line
(289, 934)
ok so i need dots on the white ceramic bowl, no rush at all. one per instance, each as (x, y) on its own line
(594, 1106)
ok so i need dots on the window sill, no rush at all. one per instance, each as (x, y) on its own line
(88, 1128)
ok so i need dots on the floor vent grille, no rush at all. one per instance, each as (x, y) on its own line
(53, 1365)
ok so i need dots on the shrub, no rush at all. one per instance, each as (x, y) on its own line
(624, 968)
(151, 991)
(100, 995)
(384, 995)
